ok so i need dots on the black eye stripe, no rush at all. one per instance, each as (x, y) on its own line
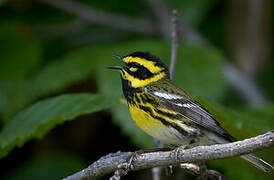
(133, 64)
(141, 73)
(140, 68)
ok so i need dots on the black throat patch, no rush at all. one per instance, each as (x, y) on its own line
(128, 90)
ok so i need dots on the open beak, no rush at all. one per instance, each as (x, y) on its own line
(118, 57)
(117, 67)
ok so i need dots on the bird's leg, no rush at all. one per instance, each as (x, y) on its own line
(129, 166)
(184, 146)
(176, 152)
(177, 149)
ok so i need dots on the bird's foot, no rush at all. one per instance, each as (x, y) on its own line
(176, 152)
(129, 164)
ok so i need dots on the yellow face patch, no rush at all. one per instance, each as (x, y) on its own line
(150, 65)
(135, 82)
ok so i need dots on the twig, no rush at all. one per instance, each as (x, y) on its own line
(175, 43)
(111, 162)
(254, 11)
(121, 171)
(195, 169)
(162, 14)
(96, 16)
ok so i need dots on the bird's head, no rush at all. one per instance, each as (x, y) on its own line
(141, 69)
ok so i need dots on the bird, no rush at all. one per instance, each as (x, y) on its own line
(167, 112)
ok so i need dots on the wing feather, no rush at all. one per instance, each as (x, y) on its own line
(188, 107)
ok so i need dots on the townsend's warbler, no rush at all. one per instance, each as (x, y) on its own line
(167, 112)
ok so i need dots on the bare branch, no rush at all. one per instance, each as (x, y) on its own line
(111, 162)
(161, 13)
(174, 43)
(96, 16)
(254, 9)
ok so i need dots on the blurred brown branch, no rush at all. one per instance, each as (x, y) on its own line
(96, 16)
(113, 162)
(162, 15)
(174, 43)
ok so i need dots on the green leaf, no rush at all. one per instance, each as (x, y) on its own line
(38, 119)
(55, 76)
(20, 56)
(61, 73)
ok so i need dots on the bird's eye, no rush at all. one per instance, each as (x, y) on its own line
(133, 69)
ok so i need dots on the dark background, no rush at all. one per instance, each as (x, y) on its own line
(49, 48)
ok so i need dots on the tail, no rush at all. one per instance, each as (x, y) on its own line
(258, 162)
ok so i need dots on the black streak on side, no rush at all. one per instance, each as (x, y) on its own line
(169, 124)
(147, 99)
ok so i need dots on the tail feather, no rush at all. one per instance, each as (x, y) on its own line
(258, 162)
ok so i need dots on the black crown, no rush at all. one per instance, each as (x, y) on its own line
(148, 56)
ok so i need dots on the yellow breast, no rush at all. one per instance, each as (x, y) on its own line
(143, 120)
(154, 127)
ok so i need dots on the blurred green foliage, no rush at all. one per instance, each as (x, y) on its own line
(41, 57)
(37, 120)
(2, 2)
(193, 12)
(54, 165)
(25, 55)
